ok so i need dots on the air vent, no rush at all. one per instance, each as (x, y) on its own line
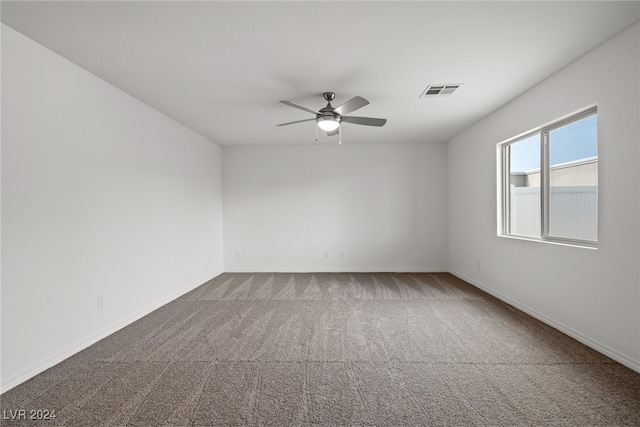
(440, 90)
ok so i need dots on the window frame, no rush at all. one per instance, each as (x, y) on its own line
(504, 195)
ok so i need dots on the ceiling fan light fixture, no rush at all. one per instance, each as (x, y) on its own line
(328, 123)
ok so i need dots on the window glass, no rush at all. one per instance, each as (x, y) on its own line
(524, 187)
(573, 180)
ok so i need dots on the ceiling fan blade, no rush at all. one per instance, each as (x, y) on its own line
(367, 121)
(351, 105)
(299, 107)
(297, 121)
(333, 132)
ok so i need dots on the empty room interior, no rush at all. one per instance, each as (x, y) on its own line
(320, 213)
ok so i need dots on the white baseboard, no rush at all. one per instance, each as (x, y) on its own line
(589, 342)
(73, 349)
(337, 270)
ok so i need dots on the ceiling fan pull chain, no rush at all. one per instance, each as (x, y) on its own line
(340, 135)
(316, 133)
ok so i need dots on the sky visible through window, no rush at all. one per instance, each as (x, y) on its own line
(577, 140)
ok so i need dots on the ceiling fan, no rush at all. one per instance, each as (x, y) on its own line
(329, 118)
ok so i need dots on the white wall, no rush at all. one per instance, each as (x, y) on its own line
(593, 295)
(383, 205)
(101, 196)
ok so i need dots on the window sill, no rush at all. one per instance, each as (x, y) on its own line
(593, 246)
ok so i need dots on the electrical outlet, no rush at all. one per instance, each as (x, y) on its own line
(341, 254)
(326, 254)
(100, 303)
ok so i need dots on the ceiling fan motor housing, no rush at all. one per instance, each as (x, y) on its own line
(327, 119)
(327, 112)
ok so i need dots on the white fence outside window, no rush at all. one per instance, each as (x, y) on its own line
(573, 212)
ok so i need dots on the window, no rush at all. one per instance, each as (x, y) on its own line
(550, 182)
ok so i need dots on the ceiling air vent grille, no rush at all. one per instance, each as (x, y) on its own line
(440, 90)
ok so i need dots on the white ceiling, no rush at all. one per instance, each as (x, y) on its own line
(220, 68)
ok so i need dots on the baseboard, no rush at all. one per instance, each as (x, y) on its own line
(589, 342)
(337, 270)
(71, 350)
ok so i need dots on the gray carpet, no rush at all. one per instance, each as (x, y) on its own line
(329, 349)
